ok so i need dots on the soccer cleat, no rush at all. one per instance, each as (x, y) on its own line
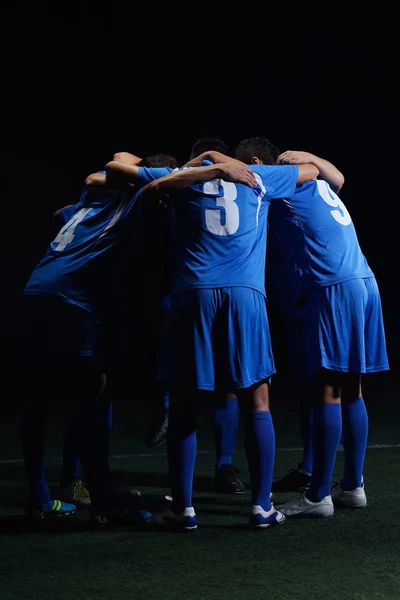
(296, 480)
(226, 480)
(118, 506)
(303, 507)
(52, 508)
(77, 494)
(260, 519)
(118, 516)
(185, 521)
(156, 435)
(349, 499)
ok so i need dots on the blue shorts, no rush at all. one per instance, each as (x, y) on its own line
(52, 330)
(218, 339)
(343, 328)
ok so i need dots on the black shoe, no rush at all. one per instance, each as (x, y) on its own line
(295, 481)
(117, 506)
(226, 481)
(157, 433)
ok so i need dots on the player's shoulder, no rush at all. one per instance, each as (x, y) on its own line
(155, 172)
(261, 169)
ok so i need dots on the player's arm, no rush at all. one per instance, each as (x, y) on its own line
(177, 180)
(127, 158)
(307, 172)
(118, 173)
(327, 170)
(94, 182)
(213, 156)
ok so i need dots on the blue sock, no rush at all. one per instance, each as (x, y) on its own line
(355, 435)
(181, 449)
(260, 451)
(225, 426)
(33, 441)
(165, 399)
(327, 430)
(306, 427)
(71, 466)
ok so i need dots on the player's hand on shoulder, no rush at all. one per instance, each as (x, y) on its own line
(238, 173)
(295, 157)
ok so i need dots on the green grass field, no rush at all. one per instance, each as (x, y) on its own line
(354, 555)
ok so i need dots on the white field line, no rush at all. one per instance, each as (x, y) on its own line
(16, 461)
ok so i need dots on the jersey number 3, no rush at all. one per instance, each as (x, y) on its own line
(214, 216)
(227, 202)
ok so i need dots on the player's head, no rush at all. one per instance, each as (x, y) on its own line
(257, 150)
(208, 143)
(159, 160)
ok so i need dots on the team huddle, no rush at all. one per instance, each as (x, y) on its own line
(237, 227)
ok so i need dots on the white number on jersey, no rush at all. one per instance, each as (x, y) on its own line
(227, 202)
(66, 233)
(341, 214)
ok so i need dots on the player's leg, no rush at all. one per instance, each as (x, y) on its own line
(225, 410)
(250, 365)
(189, 367)
(349, 493)
(39, 380)
(71, 484)
(156, 434)
(327, 429)
(335, 343)
(298, 479)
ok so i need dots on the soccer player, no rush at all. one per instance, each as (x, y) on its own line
(297, 479)
(218, 336)
(225, 408)
(72, 489)
(68, 292)
(343, 333)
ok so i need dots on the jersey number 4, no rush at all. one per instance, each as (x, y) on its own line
(213, 216)
(341, 214)
(67, 231)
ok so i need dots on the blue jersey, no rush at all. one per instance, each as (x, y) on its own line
(219, 232)
(67, 212)
(317, 239)
(148, 174)
(282, 272)
(82, 260)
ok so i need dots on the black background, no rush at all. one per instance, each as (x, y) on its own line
(84, 80)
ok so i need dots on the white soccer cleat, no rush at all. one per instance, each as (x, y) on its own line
(349, 499)
(261, 519)
(185, 521)
(303, 507)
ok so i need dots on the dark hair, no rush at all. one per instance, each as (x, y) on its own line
(159, 160)
(208, 143)
(260, 147)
